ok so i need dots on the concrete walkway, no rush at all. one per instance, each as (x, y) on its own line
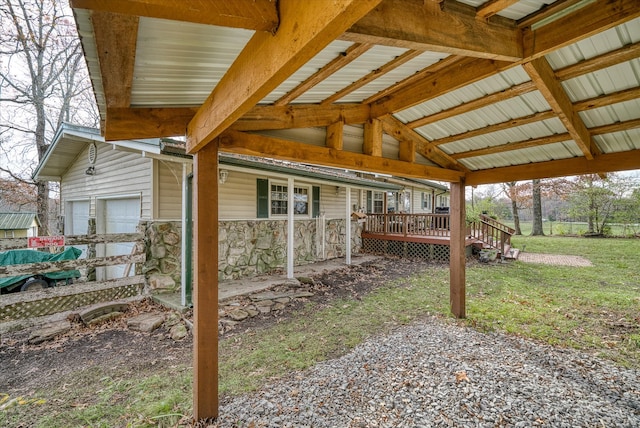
(554, 259)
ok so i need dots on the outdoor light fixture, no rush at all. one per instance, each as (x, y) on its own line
(337, 190)
(91, 170)
(223, 174)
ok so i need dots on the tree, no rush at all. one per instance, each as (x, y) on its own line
(537, 208)
(41, 75)
(515, 192)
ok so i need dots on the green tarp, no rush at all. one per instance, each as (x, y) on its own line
(18, 257)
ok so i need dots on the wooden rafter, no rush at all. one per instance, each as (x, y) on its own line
(259, 145)
(259, 15)
(591, 19)
(131, 123)
(492, 7)
(599, 62)
(519, 145)
(453, 29)
(352, 53)
(626, 125)
(511, 92)
(546, 12)
(116, 36)
(608, 99)
(379, 72)
(542, 75)
(609, 162)
(305, 29)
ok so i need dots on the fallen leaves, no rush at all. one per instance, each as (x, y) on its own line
(461, 376)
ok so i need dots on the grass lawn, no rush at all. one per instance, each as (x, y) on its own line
(595, 309)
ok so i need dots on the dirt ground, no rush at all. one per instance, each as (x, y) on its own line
(113, 347)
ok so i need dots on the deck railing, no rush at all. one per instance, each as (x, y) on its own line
(492, 232)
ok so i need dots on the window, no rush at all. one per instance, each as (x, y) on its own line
(378, 202)
(8, 234)
(443, 201)
(426, 201)
(279, 199)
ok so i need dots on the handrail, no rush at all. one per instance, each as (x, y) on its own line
(492, 233)
(495, 223)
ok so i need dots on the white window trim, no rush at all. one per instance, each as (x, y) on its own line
(295, 186)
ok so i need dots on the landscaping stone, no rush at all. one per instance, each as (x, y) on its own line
(159, 283)
(104, 318)
(178, 332)
(146, 322)
(238, 315)
(49, 331)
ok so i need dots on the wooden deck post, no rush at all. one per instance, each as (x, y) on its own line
(205, 291)
(457, 256)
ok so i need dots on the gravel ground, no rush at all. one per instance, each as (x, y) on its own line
(435, 374)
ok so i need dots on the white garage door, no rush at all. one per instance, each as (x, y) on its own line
(119, 216)
(77, 222)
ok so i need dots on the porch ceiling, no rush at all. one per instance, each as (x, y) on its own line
(435, 89)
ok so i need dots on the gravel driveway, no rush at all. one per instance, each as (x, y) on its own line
(438, 374)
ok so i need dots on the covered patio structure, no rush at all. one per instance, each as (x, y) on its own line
(468, 92)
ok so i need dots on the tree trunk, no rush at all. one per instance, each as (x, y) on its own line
(516, 217)
(537, 210)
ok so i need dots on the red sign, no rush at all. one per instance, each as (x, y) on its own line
(45, 241)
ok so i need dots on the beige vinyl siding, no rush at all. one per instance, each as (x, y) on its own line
(237, 197)
(117, 173)
(333, 205)
(169, 194)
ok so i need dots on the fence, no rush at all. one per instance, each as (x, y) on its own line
(85, 291)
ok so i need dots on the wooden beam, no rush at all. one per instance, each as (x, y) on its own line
(608, 99)
(414, 24)
(610, 162)
(492, 7)
(545, 12)
(352, 53)
(378, 72)
(205, 290)
(305, 29)
(518, 145)
(258, 15)
(458, 75)
(259, 145)
(401, 132)
(478, 103)
(133, 123)
(625, 125)
(599, 62)
(407, 151)
(595, 17)
(301, 116)
(542, 75)
(457, 250)
(372, 141)
(116, 36)
(335, 138)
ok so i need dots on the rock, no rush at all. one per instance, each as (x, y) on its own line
(238, 315)
(49, 331)
(252, 312)
(161, 283)
(146, 322)
(103, 309)
(278, 306)
(171, 238)
(283, 300)
(105, 318)
(172, 319)
(264, 309)
(268, 295)
(178, 332)
(302, 294)
(306, 280)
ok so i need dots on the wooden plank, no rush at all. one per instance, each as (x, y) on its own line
(610, 162)
(352, 53)
(378, 72)
(460, 74)
(608, 99)
(372, 141)
(116, 37)
(492, 7)
(259, 145)
(457, 251)
(205, 291)
(305, 29)
(453, 29)
(517, 145)
(599, 62)
(542, 75)
(595, 17)
(132, 123)
(301, 116)
(615, 127)
(259, 15)
(334, 138)
(44, 267)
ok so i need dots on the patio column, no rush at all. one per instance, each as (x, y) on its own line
(205, 292)
(290, 227)
(457, 257)
(348, 229)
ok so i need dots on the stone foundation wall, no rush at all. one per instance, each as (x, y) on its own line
(253, 247)
(163, 247)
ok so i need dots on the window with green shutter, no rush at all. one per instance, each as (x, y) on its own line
(263, 198)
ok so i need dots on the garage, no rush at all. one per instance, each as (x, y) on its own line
(117, 215)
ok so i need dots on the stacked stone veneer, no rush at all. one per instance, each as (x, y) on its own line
(252, 247)
(246, 248)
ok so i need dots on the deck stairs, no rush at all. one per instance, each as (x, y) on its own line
(490, 234)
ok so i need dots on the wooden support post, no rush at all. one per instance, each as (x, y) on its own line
(205, 292)
(457, 253)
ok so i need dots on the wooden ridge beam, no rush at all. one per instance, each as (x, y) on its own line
(258, 15)
(542, 75)
(478, 103)
(426, 26)
(518, 145)
(595, 17)
(305, 29)
(259, 145)
(609, 162)
(352, 53)
(379, 72)
(116, 36)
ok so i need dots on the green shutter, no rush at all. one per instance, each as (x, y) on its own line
(315, 207)
(369, 202)
(263, 198)
(421, 200)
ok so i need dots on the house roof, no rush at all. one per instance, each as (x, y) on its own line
(487, 91)
(17, 221)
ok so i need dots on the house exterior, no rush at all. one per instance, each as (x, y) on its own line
(123, 186)
(18, 225)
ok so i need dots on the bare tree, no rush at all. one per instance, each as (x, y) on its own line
(537, 208)
(41, 72)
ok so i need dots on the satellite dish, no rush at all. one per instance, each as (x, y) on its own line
(93, 153)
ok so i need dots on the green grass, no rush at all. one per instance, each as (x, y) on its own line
(595, 309)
